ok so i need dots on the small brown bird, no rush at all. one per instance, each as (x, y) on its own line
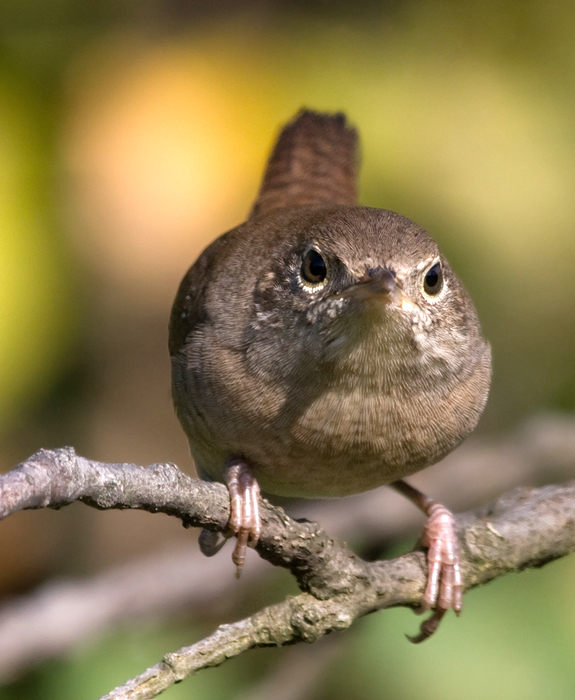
(322, 349)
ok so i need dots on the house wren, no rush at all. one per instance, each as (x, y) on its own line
(322, 349)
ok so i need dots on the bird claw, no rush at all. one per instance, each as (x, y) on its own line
(427, 627)
(444, 590)
(211, 542)
(245, 520)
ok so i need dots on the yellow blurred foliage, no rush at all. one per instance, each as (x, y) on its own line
(160, 161)
(35, 295)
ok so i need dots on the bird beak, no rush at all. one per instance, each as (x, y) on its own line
(378, 284)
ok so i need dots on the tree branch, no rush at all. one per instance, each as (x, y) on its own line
(161, 583)
(527, 528)
(523, 529)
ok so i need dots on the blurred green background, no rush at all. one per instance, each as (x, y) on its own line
(133, 133)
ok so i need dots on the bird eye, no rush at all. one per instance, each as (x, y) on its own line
(313, 268)
(433, 280)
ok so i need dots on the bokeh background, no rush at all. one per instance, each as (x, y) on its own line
(131, 135)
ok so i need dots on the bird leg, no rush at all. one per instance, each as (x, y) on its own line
(245, 522)
(444, 588)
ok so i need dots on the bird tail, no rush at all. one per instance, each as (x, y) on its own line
(314, 162)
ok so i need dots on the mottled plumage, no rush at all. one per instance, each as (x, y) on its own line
(325, 395)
